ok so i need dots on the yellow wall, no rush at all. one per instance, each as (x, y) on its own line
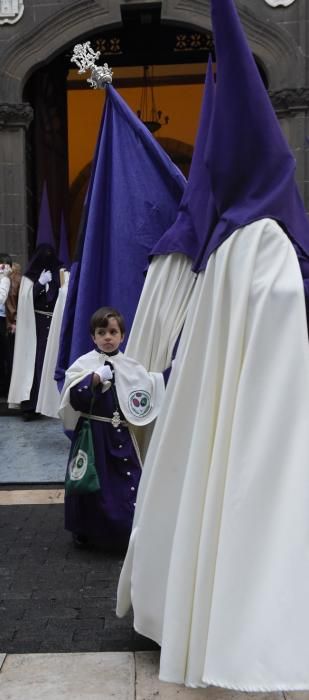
(181, 103)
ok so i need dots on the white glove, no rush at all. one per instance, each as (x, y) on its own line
(45, 277)
(104, 372)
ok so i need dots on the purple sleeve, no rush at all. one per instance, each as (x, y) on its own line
(304, 268)
(82, 393)
(38, 288)
(166, 374)
(50, 297)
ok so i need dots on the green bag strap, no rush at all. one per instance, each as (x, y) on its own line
(86, 420)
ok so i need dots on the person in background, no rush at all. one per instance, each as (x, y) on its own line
(5, 274)
(37, 298)
(11, 313)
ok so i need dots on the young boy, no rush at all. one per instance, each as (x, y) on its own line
(125, 395)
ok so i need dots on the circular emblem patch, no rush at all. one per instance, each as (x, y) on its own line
(139, 402)
(78, 466)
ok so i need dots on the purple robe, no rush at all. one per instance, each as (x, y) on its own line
(106, 516)
(44, 258)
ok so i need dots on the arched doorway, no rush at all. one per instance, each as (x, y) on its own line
(62, 139)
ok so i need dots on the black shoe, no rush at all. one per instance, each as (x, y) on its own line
(31, 415)
(28, 415)
(80, 541)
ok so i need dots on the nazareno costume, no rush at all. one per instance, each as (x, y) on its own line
(176, 257)
(122, 219)
(218, 575)
(34, 314)
(49, 397)
(130, 401)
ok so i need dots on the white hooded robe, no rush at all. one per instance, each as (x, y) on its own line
(217, 568)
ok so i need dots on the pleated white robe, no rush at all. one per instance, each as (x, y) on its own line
(48, 402)
(159, 319)
(217, 568)
(24, 351)
(161, 311)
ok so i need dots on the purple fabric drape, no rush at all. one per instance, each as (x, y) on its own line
(132, 199)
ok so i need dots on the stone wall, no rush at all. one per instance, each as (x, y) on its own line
(278, 37)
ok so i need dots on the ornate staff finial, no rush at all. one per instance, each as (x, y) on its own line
(85, 58)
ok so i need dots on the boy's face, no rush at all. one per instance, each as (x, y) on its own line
(109, 338)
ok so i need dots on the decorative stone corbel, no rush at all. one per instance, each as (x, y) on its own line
(15, 116)
(290, 100)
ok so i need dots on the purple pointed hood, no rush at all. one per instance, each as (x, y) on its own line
(63, 254)
(197, 215)
(43, 258)
(45, 230)
(251, 168)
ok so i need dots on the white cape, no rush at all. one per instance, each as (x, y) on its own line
(25, 346)
(48, 402)
(161, 311)
(218, 562)
(131, 381)
(159, 319)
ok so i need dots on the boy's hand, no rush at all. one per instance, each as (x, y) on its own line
(105, 373)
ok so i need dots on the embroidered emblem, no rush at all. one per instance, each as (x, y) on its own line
(78, 466)
(11, 11)
(139, 402)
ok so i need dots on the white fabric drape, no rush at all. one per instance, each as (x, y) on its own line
(130, 378)
(159, 319)
(218, 563)
(161, 311)
(4, 288)
(48, 397)
(25, 346)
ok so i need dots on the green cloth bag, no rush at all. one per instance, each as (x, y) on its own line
(81, 476)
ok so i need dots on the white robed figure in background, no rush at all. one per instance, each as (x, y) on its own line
(217, 568)
(48, 402)
(37, 298)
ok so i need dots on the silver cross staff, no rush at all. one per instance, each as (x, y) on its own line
(85, 58)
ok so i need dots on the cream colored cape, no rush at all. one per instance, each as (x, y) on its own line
(131, 380)
(161, 311)
(217, 568)
(25, 346)
(159, 319)
(49, 397)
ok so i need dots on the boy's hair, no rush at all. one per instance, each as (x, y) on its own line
(101, 317)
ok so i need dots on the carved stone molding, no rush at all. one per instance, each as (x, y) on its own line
(272, 44)
(14, 116)
(290, 100)
(46, 38)
(276, 50)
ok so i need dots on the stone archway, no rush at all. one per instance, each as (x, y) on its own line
(77, 196)
(273, 47)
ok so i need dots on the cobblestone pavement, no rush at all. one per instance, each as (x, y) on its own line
(54, 597)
